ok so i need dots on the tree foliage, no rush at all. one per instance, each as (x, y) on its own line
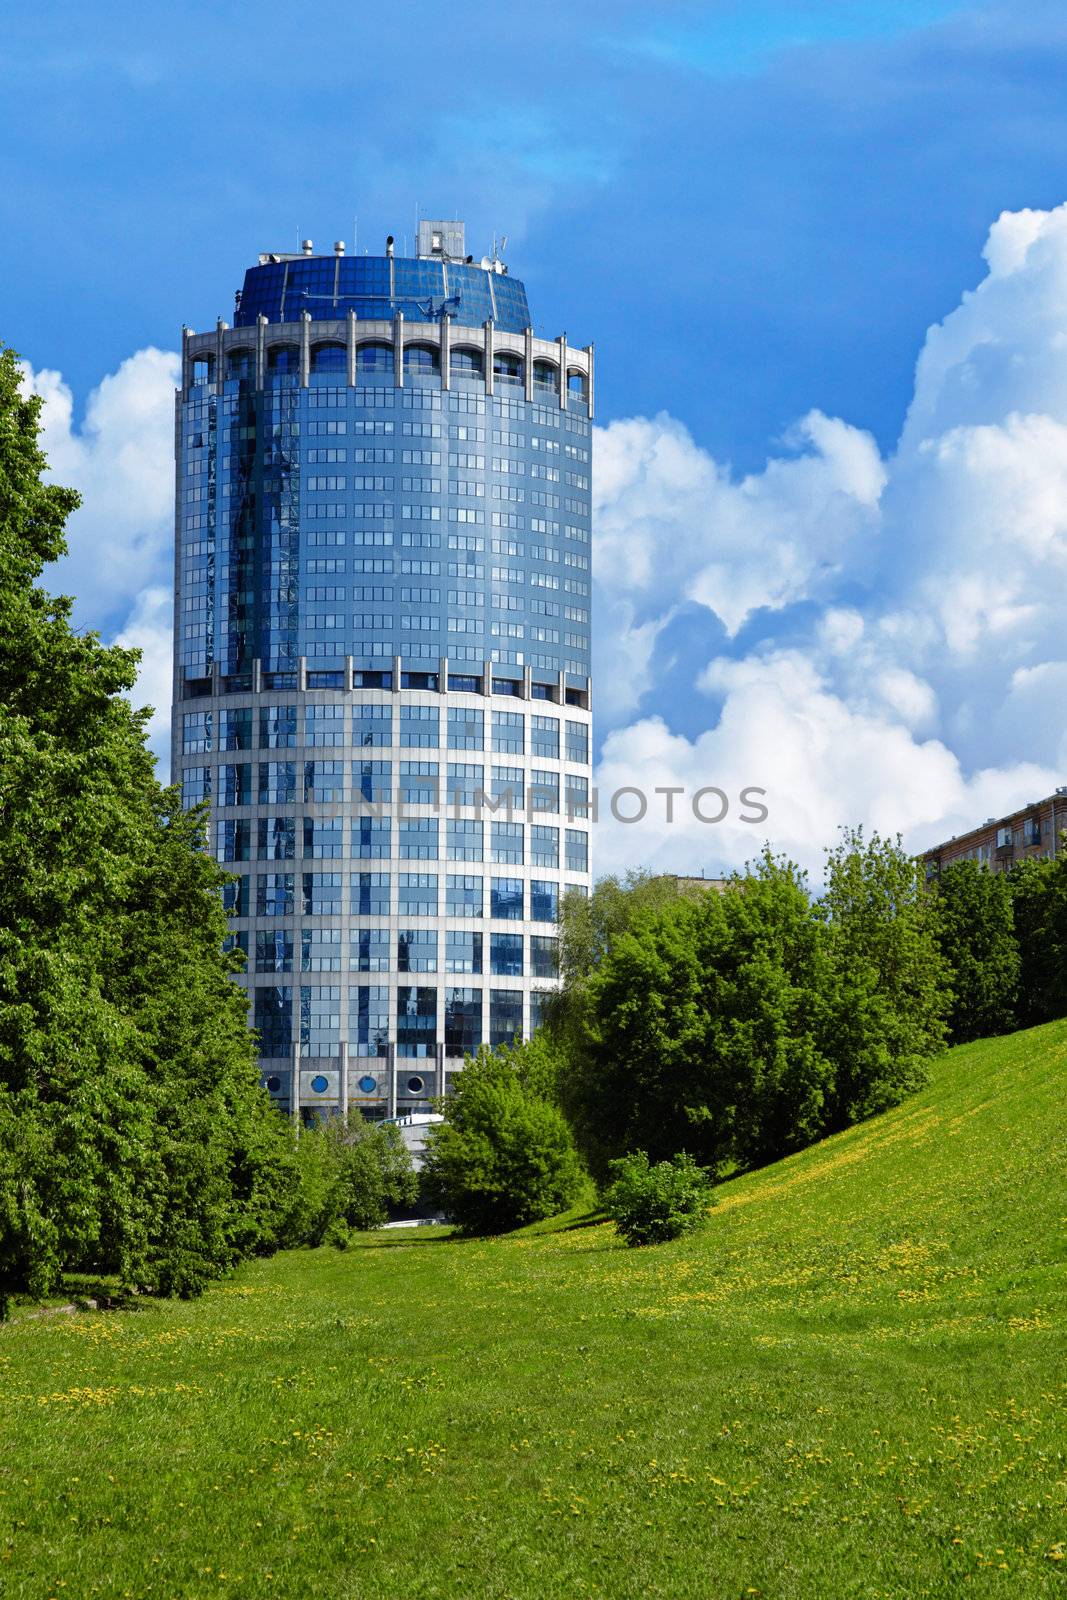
(650, 1204)
(135, 1138)
(976, 933)
(347, 1180)
(503, 1156)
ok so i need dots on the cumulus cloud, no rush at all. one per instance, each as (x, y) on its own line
(911, 612)
(119, 565)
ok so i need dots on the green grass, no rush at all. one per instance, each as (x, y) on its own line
(851, 1384)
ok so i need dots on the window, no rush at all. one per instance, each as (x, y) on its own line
(578, 742)
(509, 733)
(418, 894)
(370, 894)
(234, 784)
(577, 795)
(323, 838)
(505, 1016)
(544, 845)
(324, 725)
(328, 357)
(466, 728)
(544, 737)
(371, 950)
(505, 955)
(277, 783)
(1004, 838)
(463, 1021)
(506, 844)
(197, 732)
(320, 950)
(544, 790)
(235, 729)
(374, 360)
(419, 783)
(465, 783)
(371, 782)
(421, 358)
(507, 368)
(276, 838)
(274, 951)
(418, 838)
(416, 950)
(372, 726)
(420, 727)
(320, 1018)
(274, 894)
(372, 838)
(321, 894)
(464, 839)
(505, 899)
(277, 727)
(416, 1021)
(196, 786)
(274, 1019)
(235, 897)
(544, 956)
(506, 787)
(368, 1020)
(464, 896)
(463, 950)
(577, 850)
(233, 841)
(544, 900)
(466, 363)
(324, 781)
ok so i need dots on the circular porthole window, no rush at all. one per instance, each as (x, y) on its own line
(416, 1085)
(274, 1083)
(319, 1083)
(368, 1085)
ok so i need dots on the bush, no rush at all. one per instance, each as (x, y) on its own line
(652, 1203)
(503, 1156)
(347, 1179)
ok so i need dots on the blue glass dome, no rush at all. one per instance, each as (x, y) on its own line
(377, 287)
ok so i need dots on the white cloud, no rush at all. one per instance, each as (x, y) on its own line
(924, 681)
(119, 565)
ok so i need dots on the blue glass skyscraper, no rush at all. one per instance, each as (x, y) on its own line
(381, 678)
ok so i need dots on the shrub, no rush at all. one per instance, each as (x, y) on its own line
(503, 1156)
(650, 1203)
(347, 1179)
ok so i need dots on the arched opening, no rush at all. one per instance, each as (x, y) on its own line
(203, 369)
(283, 358)
(546, 377)
(421, 359)
(241, 364)
(577, 384)
(507, 367)
(374, 359)
(467, 363)
(329, 358)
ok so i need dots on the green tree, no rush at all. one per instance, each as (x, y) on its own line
(651, 1204)
(892, 994)
(503, 1156)
(137, 1140)
(976, 933)
(1039, 903)
(347, 1179)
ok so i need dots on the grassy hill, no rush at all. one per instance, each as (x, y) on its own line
(852, 1384)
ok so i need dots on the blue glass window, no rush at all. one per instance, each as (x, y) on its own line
(274, 894)
(505, 955)
(509, 737)
(505, 899)
(506, 843)
(320, 1019)
(544, 790)
(234, 784)
(418, 894)
(372, 781)
(463, 1021)
(277, 727)
(466, 782)
(233, 840)
(416, 950)
(235, 897)
(372, 838)
(421, 358)
(368, 1028)
(419, 783)
(507, 368)
(578, 742)
(374, 359)
(197, 732)
(505, 1016)
(277, 783)
(322, 894)
(466, 728)
(277, 838)
(370, 894)
(416, 1021)
(420, 727)
(544, 737)
(371, 950)
(464, 839)
(274, 951)
(372, 726)
(196, 786)
(544, 845)
(235, 729)
(324, 781)
(320, 950)
(323, 838)
(576, 854)
(273, 1019)
(329, 358)
(463, 950)
(419, 839)
(577, 795)
(464, 895)
(466, 363)
(544, 956)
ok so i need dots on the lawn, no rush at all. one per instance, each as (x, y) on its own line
(853, 1383)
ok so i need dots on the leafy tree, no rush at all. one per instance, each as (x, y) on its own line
(700, 1025)
(503, 1157)
(651, 1204)
(1039, 903)
(976, 934)
(347, 1179)
(136, 1138)
(893, 985)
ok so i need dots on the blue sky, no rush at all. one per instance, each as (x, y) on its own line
(753, 209)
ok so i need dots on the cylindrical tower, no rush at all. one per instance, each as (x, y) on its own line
(381, 672)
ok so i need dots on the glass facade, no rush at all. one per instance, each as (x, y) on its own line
(382, 657)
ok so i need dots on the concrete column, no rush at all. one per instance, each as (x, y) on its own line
(220, 360)
(589, 379)
(257, 676)
(350, 674)
(350, 348)
(261, 351)
(396, 674)
(187, 364)
(302, 674)
(561, 343)
(527, 683)
(294, 1098)
(439, 1051)
(305, 348)
(487, 677)
(344, 1084)
(446, 352)
(390, 1067)
(216, 680)
(442, 675)
(398, 349)
(561, 689)
(488, 358)
(528, 363)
